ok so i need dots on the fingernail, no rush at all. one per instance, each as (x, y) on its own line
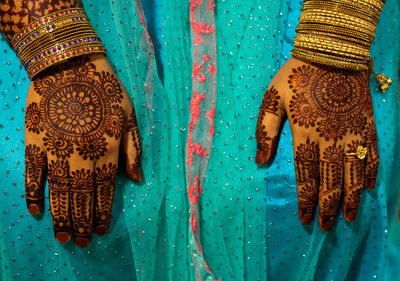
(370, 183)
(350, 214)
(33, 209)
(82, 242)
(326, 222)
(63, 236)
(135, 172)
(261, 156)
(306, 218)
(101, 229)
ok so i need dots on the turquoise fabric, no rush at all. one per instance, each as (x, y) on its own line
(249, 228)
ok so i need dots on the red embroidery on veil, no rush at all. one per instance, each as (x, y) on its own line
(201, 124)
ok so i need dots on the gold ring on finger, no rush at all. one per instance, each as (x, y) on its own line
(361, 152)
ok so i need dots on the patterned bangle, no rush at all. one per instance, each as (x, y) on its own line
(337, 33)
(55, 38)
(328, 60)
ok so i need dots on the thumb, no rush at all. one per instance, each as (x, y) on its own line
(268, 124)
(132, 148)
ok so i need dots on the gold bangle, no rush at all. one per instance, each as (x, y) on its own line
(336, 48)
(341, 8)
(56, 38)
(305, 27)
(337, 33)
(335, 36)
(337, 21)
(45, 20)
(325, 40)
(333, 62)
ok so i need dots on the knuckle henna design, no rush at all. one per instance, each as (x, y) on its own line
(105, 178)
(307, 165)
(59, 197)
(82, 189)
(355, 182)
(331, 180)
(35, 162)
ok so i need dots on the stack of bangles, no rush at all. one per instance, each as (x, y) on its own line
(55, 38)
(339, 33)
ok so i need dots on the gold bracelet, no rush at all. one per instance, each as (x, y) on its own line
(337, 33)
(343, 9)
(335, 44)
(67, 27)
(56, 38)
(333, 62)
(337, 21)
(306, 27)
(324, 34)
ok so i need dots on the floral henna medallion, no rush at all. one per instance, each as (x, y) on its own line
(111, 86)
(270, 101)
(75, 110)
(116, 122)
(32, 118)
(59, 147)
(78, 107)
(338, 102)
(93, 149)
(301, 78)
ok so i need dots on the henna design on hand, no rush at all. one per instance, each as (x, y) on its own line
(32, 118)
(116, 122)
(92, 149)
(330, 171)
(59, 199)
(105, 181)
(35, 161)
(133, 129)
(307, 165)
(266, 143)
(59, 147)
(80, 115)
(333, 101)
(331, 115)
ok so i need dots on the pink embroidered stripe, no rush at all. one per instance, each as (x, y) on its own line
(201, 125)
